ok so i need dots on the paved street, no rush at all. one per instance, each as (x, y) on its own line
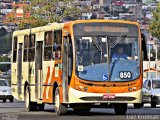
(16, 111)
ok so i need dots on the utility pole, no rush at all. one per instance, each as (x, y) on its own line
(157, 59)
(110, 8)
(149, 61)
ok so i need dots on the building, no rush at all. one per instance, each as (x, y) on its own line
(5, 8)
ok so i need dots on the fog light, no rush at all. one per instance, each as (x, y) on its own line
(85, 88)
(129, 89)
(134, 88)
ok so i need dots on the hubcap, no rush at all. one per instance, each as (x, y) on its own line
(27, 99)
(57, 101)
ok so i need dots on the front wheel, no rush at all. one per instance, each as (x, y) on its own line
(60, 108)
(120, 108)
(138, 105)
(40, 107)
(153, 105)
(4, 100)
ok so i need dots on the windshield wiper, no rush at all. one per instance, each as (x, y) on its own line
(115, 60)
(118, 41)
(97, 45)
(113, 65)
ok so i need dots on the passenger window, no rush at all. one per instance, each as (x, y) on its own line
(57, 45)
(149, 84)
(29, 48)
(48, 45)
(31, 51)
(15, 49)
(26, 41)
(53, 42)
(145, 84)
(26, 45)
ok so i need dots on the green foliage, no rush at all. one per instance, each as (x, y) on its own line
(107, 9)
(5, 47)
(4, 59)
(124, 9)
(155, 23)
(44, 12)
(2, 31)
(4, 67)
(5, 42)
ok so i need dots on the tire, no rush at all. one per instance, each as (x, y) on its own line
(153, 105)
(4, 100)
(120, 108)
(40, 107)
(138, 105)
(30, 106)
(11, 100)
(60, 108)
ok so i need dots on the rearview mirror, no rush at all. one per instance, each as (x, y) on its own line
(144, 48)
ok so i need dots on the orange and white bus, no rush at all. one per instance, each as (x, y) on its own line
(75, 65)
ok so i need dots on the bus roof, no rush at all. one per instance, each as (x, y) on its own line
(101, 20)
(49, 27)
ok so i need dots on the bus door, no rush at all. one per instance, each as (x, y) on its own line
(65, 68)
(25, 63)
(38, 69)
(19, 69)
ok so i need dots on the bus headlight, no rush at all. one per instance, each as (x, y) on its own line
(130, 89)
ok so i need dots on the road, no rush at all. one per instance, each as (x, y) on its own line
(16, 111)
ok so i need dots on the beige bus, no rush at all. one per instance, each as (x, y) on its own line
(79, 64)
(33, 51)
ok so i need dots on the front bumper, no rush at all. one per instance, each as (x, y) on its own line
(76, 96)
(146, 99)
(6, 97)
(156, 99)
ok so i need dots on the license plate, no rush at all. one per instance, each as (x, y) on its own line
(108, 96)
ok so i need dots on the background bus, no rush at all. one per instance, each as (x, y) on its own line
(72, 65)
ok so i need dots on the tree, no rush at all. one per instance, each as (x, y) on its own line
(124, 9)
(107, 9)
(3, 31)
(4, 67)
(5, 43)
(43, 12)
(155, 23)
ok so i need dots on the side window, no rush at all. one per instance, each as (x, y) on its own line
(31, 51)
(145, 84)
(149, 84)
(57, 44)
(48, 45)
(26, 46)
(29, 48)
(14, 49)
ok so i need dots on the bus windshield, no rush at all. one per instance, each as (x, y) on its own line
(107, 58)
